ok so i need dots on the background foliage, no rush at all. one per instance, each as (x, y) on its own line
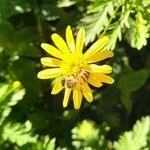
(32, 119)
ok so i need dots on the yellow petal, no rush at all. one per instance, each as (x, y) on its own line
(87, 92)
(94, 81)
(52, 50)
(80, 40)
(100, 69)
(97, 46)
(99, 56)
(105, 78)
(66, 97)
(57, 87)
(49, 73)
(60, 43)
(70, 39)
(77, 98)
(51, 62)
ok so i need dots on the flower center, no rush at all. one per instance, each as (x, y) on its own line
(74, 71)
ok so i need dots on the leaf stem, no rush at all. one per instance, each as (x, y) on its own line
(39, 23)
(110, 20)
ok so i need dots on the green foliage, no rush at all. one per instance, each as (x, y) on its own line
(118, 17)
(65, 3)
(10, 8)
(44, 144)
(117, 29)
(135, 139)
(32, 119)
(138, 32)
(128, 85)
(18, 133)
(87, 135)
(9, 96)
(97, 19)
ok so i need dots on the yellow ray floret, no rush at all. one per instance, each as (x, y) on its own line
(80, 40)
(52, 50)
(60, 43)
(73, 70)
(50, 62)
(70, 39)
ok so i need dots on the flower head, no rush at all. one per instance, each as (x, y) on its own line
(73, 69)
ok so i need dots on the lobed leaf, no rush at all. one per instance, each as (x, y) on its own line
(96, 20)
(135, 139)
(138, 34)
(18, 133)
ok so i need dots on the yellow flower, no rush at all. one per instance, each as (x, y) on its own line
(73, 69)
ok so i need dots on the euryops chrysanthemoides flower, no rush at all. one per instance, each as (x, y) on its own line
(74, 70)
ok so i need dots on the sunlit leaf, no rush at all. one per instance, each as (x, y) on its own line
(117, 30)
(138, 34)
(9, 96)
(18, 133)
(135, 139)
(96, 20)
(45, 143)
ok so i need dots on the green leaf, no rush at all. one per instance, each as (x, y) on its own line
(7, 8)
(3, 89)
(97, 20)
(65, 3)
(21, 42)
(24, 43)
(84, 131)
(6, 33)
(138, 34)
(50, 12)
(10, 8)
(44, 144)
(133, 80)
(117, 30)
(10, 95)
(18, 133)
(135, 139)
(129, 83)
(85, 134)
(26, 34)
(29, 50)
(26, 71)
